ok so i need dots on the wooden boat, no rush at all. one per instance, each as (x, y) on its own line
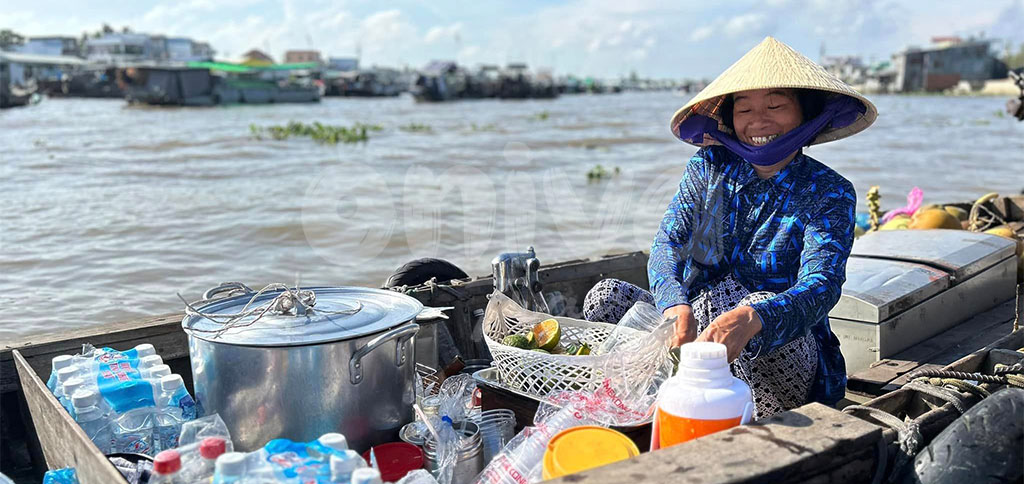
(197, 85)
(17, 86)
(812, 442)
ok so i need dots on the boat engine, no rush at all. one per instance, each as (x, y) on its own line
(516, 274)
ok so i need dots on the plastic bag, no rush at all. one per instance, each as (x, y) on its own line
(194, 431)
(66, 475)
(640, 319)
(456, 406)
(418, 476)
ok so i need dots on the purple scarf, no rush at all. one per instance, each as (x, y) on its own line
(839, 111)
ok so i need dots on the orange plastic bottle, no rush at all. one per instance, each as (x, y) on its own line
(702, 398)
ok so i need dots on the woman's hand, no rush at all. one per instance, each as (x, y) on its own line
(733, 329)
(686, 327)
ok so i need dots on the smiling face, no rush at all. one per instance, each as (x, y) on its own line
(761, 115)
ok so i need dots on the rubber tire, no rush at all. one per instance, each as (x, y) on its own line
(984, 445)
(419, 271)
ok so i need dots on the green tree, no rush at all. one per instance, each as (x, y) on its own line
(1015, 61)
(10, 38)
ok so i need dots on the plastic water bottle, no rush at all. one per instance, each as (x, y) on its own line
(148, 362)
(342, 467)
(92, 420)
(229, 468)
(133, 404)
(166, 426)
(63, 375)
(167, 468)
(366, 475)
(209, 450)
(702, 398)
(71, 385)
(334, 441)
(173, 389)
(57, 363)
(155, 372)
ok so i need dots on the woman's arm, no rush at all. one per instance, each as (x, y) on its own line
(670, 250)
(828, 238)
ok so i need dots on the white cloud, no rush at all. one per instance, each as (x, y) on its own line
(469, 53)
(702, 33)
(751, 23)
(440, 32)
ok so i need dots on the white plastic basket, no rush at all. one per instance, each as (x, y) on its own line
(540, 374)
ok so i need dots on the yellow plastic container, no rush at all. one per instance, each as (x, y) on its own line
(581, 448)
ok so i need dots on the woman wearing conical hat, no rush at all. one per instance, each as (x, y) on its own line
(752, 250)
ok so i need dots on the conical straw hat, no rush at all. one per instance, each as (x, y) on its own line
(772, 64)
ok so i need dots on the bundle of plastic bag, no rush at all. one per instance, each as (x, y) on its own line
(456, 407)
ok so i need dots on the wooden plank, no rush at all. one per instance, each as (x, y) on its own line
(813, 443)
(63, 441)
(941, 349)
(163, 332)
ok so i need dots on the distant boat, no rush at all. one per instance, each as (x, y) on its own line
(17, 86)
(196, 85)
(440, 81)
(100, 82)
(377, 82)
(24, 75)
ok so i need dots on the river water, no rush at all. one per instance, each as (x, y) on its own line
(108, 210)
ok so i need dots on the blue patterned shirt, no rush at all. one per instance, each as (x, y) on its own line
(790, 234)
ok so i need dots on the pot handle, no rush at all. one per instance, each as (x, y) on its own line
(400, 334)
(224, 287)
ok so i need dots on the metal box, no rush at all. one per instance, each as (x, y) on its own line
(903, 287)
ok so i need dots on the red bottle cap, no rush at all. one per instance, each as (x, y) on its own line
(167, 462)
(212, 447)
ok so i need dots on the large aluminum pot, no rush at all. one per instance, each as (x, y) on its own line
(322, 359)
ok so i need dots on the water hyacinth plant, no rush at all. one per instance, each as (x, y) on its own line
(598, 173)
(321, 133)
(416, 128)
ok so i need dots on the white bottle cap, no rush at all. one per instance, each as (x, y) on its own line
(150, 361)
(145, 349)
(344, 466)
(62, 361)
(73, 383)
(703, 355)
(66, 373)
(84, 398)
(366, 475)
(88, 414)
(334, 440)
(159, 371)
(170, 383)
(704, 364)
(230, 464)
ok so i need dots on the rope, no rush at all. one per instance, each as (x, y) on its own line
(955, 399)
(960, 375)
(908, 435)
(874, 206)
(977, 223)
(1014, 374)
(296, 302)
(961, 385)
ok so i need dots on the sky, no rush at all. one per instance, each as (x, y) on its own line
(604, 38)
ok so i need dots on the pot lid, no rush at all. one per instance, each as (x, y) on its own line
(322, 315)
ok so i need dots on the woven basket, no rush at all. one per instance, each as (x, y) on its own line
(540, 374)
